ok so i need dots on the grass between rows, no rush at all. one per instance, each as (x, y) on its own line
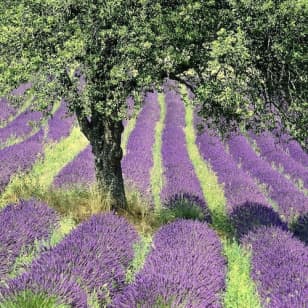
(157, 178)
(240, 288)
(37, 181)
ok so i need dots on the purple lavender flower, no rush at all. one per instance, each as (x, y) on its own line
(20, 157)
(60, 125)
(290, 200)
(21, 126)
(185, 267)
(273, 152)
(179, 173)
(250, 216)
(22, 224)
(80, 171)
(295, 150)
(239, 187)
(279, 267)
(21, 89)
(93, 257)
(138, 161)
(5, 110)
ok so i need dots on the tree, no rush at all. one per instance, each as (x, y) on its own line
(127, 47)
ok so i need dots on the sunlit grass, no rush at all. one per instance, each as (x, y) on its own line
(241, 290)
(27, 299)
(157, 180)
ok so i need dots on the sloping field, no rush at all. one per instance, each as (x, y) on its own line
(210, 223)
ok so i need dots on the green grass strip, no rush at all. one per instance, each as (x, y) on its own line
(240, 289)
(126, 133)
(141, 250)
(27, 299)
(212, 191)
(56, 156)
(157, 180)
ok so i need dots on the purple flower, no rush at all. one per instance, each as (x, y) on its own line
(21, 126)
(251, 216)
(179, 173)
(20, 157)
(80, 171)
(239, 187)
(290, 200)
(185, 267)
(60, 125)
(93, 257)
(22, 224)
(273, 153)
(279, 267)
(5, 110)
(138, 161)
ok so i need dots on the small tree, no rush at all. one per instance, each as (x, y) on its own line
(127, 47)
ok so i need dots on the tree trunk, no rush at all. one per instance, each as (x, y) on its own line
(105, 138)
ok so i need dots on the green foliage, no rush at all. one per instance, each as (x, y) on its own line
(27, 299)
(141, 250)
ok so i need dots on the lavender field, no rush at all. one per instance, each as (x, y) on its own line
(212, 223)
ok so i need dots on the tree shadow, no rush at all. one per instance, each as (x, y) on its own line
(184, 206)
(299, 227)
(249, 216)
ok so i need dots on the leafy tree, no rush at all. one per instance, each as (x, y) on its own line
(231, 54)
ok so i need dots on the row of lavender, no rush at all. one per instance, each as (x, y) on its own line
(20, 157)
(6, 110)
(279, 261)
(95, 256)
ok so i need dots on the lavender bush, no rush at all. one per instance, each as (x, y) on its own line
(239, 187)
(290, 200)
(21, 225)
(6, 110)
(294, 149)
(179, 173)
(21, 126)
(272, 152)
(60, 125)
(20, 157)
(93, 257)
(138, 161)
(184, 268)
(279, 267)
(80, 171)
(251, 216)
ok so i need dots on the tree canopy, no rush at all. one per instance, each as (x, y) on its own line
(243, 60)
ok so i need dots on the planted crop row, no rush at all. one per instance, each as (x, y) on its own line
(273, 153)
(60, 125)
(138, 161)
(179, 173)
(20, 157)
(290, 201)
